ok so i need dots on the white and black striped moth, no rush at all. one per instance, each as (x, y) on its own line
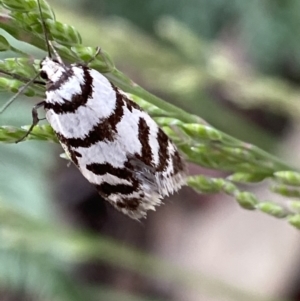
(115, 144)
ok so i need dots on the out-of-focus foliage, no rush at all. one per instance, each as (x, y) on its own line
(23, 181)
(40, 264)
(253, 21)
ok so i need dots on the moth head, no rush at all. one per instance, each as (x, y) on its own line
(51, 70)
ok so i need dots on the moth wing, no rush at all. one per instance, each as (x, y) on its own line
(115, 144)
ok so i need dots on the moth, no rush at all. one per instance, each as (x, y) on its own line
(116, 145)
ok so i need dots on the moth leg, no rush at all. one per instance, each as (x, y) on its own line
(35, 120)
(21, 90)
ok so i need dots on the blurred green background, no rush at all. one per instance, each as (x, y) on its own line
(234, 63)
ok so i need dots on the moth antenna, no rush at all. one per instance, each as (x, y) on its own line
(22, 78)
(48, 42)
(21, 90)
(56, 54)
(44, 28)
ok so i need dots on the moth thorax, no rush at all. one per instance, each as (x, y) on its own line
(51, 70)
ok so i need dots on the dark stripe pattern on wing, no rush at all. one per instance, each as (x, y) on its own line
(77, 100)
(163, 152)
(178, 165)
(62, 80)
(105, 130)
(131, 204)
(106, 189)
(101, 169)
(144, 136)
